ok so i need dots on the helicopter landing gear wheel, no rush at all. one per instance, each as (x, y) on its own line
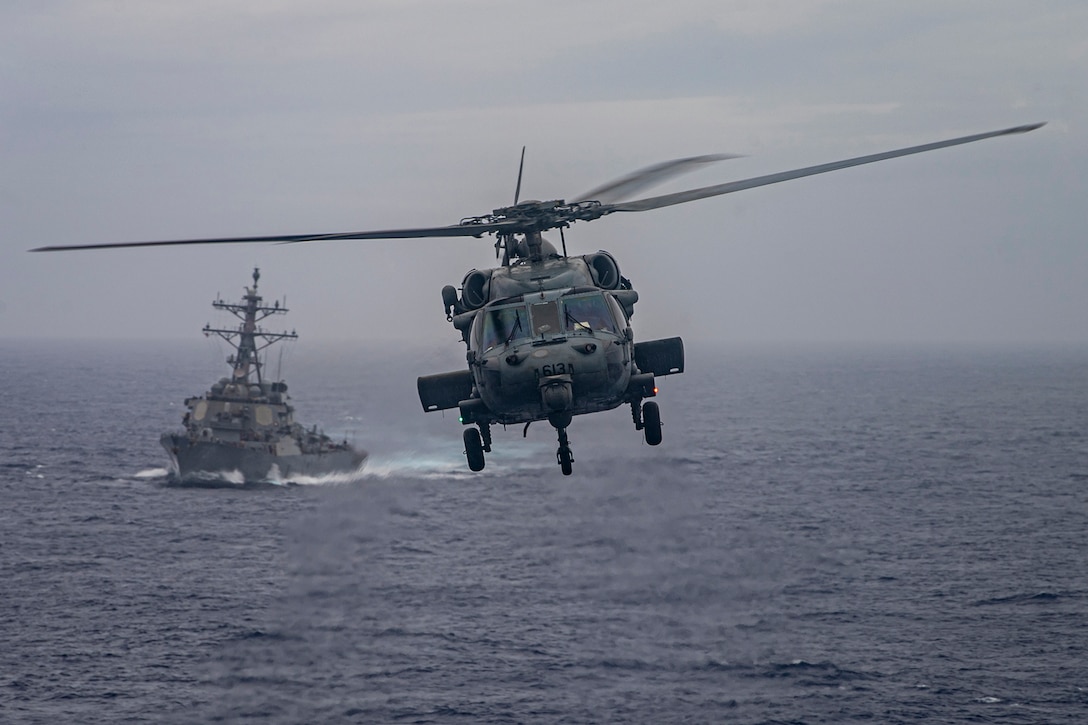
(474, 449)
(651, 423)
(564, 456)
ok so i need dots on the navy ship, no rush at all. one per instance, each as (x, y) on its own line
(243, 429)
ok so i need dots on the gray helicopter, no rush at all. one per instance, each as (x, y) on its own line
(548, 335)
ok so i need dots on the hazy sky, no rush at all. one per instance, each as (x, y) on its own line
(124, 120)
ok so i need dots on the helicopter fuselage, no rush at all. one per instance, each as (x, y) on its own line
(550, 355)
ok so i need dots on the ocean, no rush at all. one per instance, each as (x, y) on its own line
(828, 534)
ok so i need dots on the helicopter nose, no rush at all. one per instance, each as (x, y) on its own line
(556, 395)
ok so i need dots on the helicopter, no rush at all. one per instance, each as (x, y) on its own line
(548, 335)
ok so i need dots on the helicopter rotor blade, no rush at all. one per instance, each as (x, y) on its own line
(456, 230)
(453, 230)
(644, 178)
(170, 243)
(552, 215)
(656, 202)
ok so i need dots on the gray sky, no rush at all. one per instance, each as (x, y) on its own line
(124, 120)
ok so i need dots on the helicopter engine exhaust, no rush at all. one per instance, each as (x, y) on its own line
(476, 289)
(606, 272)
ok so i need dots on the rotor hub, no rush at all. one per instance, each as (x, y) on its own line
(538, 216)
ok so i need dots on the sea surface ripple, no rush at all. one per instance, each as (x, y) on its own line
(856, 534)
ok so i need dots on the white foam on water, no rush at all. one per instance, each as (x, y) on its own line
(412, 463)
(325, 479)
(233, 476)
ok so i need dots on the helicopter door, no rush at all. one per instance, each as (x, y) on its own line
(545, 317)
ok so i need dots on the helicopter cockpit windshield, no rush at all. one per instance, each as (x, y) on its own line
(545, 317)
(587, 313)
(571, 314)
(503, 325)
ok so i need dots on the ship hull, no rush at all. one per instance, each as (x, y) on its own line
(210, 461)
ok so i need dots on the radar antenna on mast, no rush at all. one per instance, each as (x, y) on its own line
(248, 340)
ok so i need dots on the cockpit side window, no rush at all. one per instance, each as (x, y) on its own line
(617, 311)
(587, 314)
(503, 325)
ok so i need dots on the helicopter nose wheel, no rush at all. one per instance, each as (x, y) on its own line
(564, 456)
(474, 449)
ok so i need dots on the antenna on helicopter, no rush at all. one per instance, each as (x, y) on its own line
(503, 241)
(521, 167)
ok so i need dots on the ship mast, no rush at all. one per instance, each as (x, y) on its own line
(250, 338)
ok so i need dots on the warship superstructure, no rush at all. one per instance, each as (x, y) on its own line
(244, 424)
